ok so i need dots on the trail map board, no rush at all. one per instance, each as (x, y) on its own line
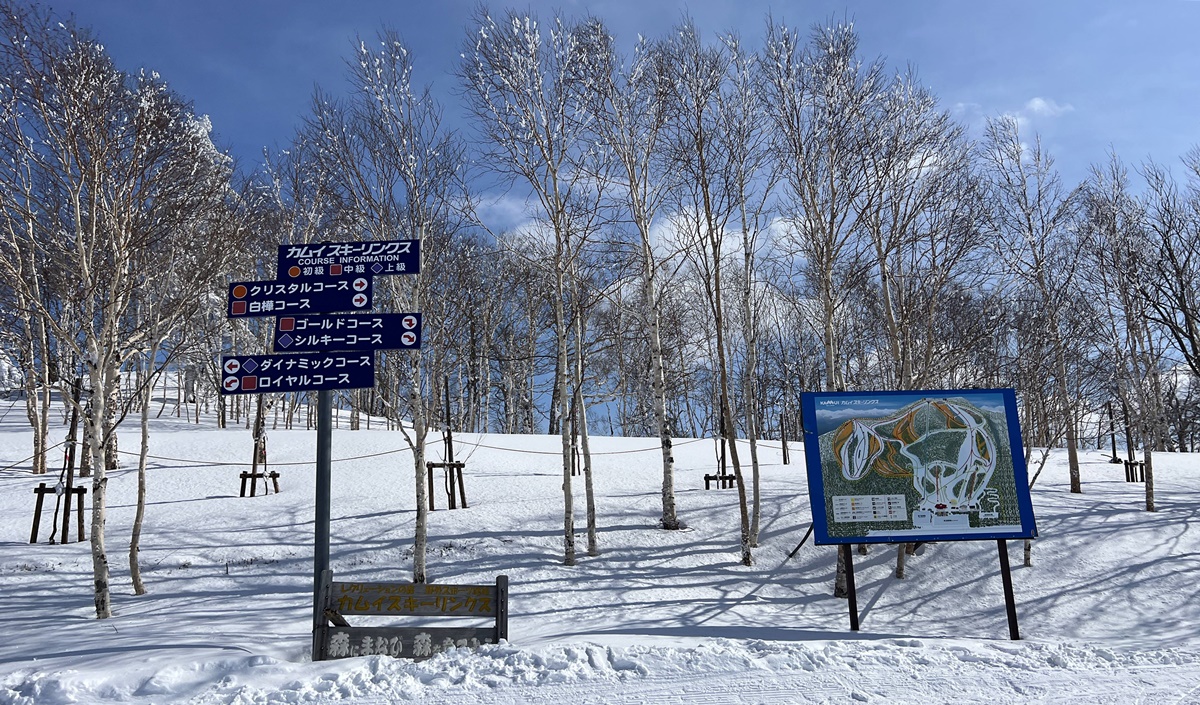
(891, 467)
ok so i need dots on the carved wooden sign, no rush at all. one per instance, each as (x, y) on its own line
(336, 638)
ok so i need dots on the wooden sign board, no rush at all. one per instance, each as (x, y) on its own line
(340, 600)
(412, 600)
(403, 642)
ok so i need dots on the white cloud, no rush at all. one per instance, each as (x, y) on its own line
(1045, 107)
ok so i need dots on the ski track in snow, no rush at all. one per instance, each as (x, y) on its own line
(1109, 611)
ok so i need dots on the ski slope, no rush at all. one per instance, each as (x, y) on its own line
(1108, 611)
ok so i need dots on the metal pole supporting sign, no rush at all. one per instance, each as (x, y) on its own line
(321, 529)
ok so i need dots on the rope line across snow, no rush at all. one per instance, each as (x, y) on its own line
(211, 463)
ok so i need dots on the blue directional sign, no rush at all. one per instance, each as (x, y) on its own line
(297, 297)
(335, 259)
(251, 374)
(348, 331)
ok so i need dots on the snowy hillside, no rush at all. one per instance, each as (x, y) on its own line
(1109, 611)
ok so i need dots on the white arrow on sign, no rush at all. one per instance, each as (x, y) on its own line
(233, 366)
(231, 383)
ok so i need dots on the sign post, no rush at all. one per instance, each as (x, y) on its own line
(321, 527)
(323, 352)
(336, 350)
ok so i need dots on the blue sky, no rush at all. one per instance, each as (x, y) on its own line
(1088, 75)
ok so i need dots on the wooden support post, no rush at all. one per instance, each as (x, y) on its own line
(66, 516)
(851, 593)
(462, 489)
(429, 468)
(79, 510)
(448, 469)
(40, 491)
(1112, 432)
(1010, 602)
(783, 435)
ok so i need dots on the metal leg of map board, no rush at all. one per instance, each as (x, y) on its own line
(1010, 602)
(851, 594)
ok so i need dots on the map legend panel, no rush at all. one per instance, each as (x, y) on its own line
(871, 507)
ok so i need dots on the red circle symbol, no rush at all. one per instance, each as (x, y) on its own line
(239, 292)
(293, 271)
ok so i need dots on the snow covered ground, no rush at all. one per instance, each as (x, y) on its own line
(1109, 611)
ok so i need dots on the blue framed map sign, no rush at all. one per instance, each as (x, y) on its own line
(892, 467)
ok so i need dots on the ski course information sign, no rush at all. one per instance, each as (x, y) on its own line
(890, 467)
(264, 298)
(250, 374)
(348, 331)
(369, 258)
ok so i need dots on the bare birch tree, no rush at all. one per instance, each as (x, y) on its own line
(116, 158)
(631, 113)
(818, 95)
(706, 199)
(396, 172)
(528, 87)
(1031, 215)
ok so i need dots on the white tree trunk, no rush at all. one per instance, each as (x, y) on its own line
(593, 546)
(421, 535)
(561, 383)
(135, 570)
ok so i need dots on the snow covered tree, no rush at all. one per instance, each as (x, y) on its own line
(528, 87)
(119, 165)
(707, 199)
(1030, 218)
(818, 95)
(630, 113)
(396, 172)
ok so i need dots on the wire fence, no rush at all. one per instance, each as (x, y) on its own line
(192, 462)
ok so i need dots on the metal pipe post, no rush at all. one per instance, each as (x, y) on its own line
(321, 531)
